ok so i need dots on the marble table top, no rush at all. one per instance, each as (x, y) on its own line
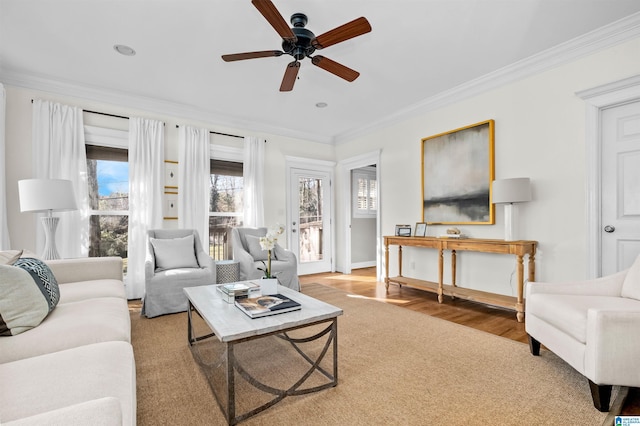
(229, 323)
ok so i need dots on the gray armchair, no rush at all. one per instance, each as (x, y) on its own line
(284, 265)
(175, 260)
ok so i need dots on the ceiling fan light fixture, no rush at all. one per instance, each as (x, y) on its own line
(124, 50)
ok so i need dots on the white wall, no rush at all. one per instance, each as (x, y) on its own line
(540, 133)
(22, 226)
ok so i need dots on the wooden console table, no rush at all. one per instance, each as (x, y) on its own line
(518, 248)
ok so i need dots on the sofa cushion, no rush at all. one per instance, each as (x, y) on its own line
(44, 383)
(171, 253)
(631, 283)
(568, 313)
(98, 412)
(71, 325)
(83, 290)
(29, 292)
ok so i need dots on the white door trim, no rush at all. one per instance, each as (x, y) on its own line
(317, 165)
(346, 166)
(596, 100)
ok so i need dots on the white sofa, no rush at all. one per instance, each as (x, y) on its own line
(77, 366)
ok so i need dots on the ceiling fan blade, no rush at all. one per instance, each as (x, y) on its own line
(343, 32)
(290, 75)
(271, 14)
(335, 68)
(251, 55)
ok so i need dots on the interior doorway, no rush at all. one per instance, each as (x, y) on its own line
(368, 226)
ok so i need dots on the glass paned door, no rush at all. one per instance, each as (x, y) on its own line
(311, 220)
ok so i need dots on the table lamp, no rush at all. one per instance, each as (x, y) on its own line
(47, 195)
(508, 192)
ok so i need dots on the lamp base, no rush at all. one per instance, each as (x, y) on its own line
(510, 216)
(50, 224)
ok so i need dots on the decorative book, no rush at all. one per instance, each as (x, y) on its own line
(256, 307)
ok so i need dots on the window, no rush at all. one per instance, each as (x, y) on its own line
(108, 180)
(225, 206)
(364, 192)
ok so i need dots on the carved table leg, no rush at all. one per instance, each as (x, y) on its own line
(440, 273)
(386, 265)
(519, 302)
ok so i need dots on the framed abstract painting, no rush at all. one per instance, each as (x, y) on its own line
(457, 171)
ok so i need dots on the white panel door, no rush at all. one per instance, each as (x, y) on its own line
(311, 220)
(620, 233)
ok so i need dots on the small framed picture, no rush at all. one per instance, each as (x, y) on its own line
(171, 174)
(403, 230)
(421, 229)
(170, 205)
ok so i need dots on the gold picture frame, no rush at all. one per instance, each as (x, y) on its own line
(457, 171)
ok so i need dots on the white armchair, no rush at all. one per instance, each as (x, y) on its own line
(246, 250)
(593, 325)
(175, 260)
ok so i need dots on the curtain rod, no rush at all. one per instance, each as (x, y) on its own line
(218, 133)
(104, 113)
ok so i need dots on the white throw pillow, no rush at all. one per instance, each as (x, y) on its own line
(174, 253)
(631, 283)
(255, 250)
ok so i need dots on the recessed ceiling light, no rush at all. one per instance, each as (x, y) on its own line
(124, 50)
(322, 105)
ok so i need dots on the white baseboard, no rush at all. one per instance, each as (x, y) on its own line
(358, 265)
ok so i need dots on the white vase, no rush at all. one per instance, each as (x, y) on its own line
(269, 286)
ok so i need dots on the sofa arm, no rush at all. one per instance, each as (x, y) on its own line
(611, 285)
(612, 354)
(86, 269)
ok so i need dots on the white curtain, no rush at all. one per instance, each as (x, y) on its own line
(193, 181)
(5, 244)
(59, 153)
(253, 176)
(146, 185)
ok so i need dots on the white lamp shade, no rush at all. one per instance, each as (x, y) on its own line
(41, 195)
(514, 190)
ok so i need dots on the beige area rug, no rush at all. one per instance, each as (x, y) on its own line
(396, 367)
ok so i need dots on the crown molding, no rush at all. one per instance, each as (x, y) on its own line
(610, 35)
(152, 105)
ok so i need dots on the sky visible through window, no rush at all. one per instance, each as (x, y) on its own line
(113, 176)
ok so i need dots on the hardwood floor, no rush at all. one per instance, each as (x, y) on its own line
(498, 321)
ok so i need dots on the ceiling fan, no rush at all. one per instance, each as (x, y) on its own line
(299, 42)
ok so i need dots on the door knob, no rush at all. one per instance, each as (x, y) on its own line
(609, 229)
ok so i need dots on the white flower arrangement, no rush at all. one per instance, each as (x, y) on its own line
(268, 242)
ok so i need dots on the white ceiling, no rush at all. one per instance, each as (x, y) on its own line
(417, 50)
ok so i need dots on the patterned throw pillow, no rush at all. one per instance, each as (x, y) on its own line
(28, 293)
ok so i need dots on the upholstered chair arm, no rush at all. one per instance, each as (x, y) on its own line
(613, 350)
(610, 285)
(86, 269)
(285, 255)
(149, 266)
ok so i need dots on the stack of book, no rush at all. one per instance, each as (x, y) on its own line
(234, 290)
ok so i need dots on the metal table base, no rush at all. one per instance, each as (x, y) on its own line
(232, 366)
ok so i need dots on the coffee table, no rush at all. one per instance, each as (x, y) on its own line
(230, 327)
